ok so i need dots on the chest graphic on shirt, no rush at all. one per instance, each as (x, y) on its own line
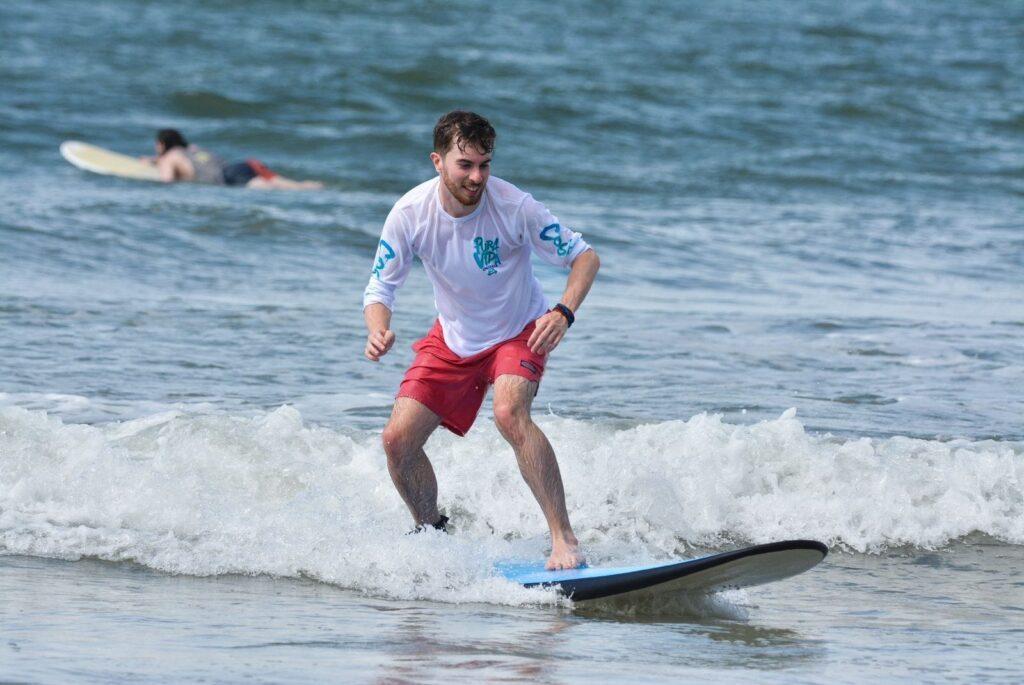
(486, 255)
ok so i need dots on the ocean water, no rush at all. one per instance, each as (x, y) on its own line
(809, 323)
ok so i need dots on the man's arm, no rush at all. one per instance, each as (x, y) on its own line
(172, 166)
(581, 277)
(551, 327)
(378, 324)
(391, 265)
(166, 168)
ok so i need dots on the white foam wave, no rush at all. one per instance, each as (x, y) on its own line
(210, 494)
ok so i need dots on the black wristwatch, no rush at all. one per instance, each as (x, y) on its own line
(566, 312)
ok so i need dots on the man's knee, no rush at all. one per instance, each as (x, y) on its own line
(512, 420)
(408, 429)
(397, 443)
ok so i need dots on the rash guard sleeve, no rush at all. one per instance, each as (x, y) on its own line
(391, 264)
(554, 243)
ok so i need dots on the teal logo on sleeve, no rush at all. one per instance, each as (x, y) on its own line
(486, 255)
(553, 234)
(385, 253)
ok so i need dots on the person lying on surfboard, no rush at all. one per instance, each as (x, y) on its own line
(474, 234)
(176, 160)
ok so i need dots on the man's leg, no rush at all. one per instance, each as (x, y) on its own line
(513, 396)
(407, 431)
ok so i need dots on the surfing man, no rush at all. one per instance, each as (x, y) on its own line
(176, 160)
(474, 234)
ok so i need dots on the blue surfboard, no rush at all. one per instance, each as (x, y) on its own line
(728, 570)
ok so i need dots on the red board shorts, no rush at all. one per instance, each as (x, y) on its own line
(453, 387)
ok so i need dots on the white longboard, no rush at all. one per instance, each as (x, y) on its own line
(729, 570)
(101, 161)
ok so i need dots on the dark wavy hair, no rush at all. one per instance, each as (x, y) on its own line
(171, 138)
(463, 128)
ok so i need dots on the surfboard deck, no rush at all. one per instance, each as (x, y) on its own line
(725, 571)
(102, 161)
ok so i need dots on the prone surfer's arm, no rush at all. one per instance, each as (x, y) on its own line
(165, 165)
(166, 169)
(173, 166)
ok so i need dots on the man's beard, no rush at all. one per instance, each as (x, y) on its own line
(460, 193)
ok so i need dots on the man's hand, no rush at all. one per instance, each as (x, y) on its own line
(549, 331)
(378, 343)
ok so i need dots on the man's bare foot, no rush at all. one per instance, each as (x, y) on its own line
(564, 556)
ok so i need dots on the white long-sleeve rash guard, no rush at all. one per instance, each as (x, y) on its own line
(484, 288)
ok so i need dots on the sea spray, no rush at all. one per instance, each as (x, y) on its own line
(214, 493)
